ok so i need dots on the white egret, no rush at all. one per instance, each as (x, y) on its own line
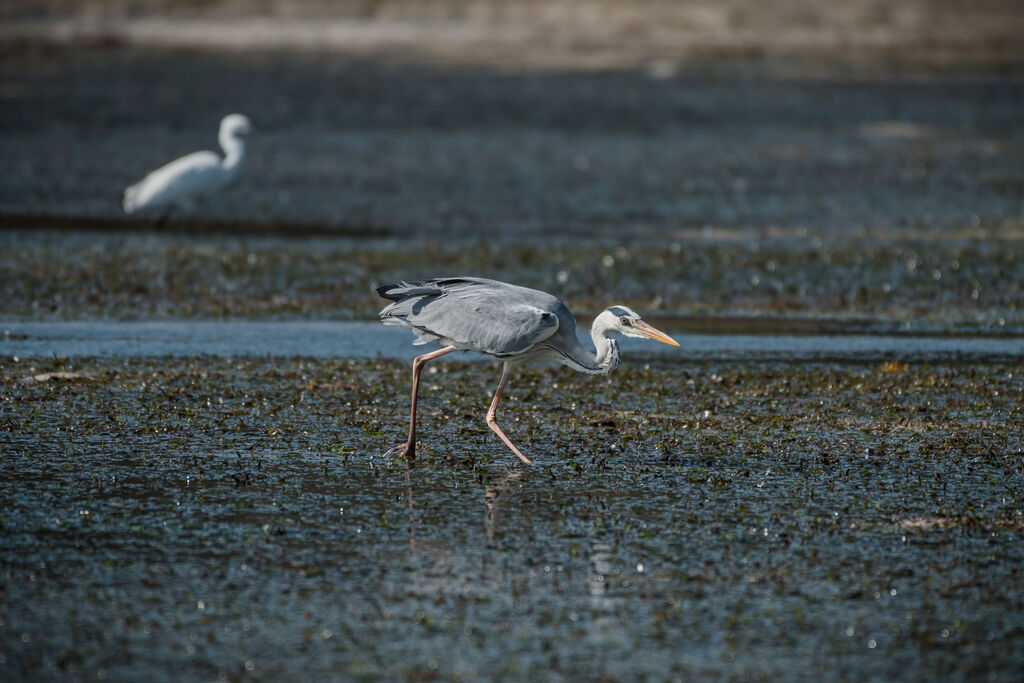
(193, 175)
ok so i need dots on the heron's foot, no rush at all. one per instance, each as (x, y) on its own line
(401, 451)
(407, 451)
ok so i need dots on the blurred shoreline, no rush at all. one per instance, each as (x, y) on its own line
(797, 38)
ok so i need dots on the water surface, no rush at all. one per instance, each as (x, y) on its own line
(329, 339)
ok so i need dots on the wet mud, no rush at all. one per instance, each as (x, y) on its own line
(229, 518)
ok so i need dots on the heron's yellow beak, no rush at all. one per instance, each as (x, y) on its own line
(652, 333)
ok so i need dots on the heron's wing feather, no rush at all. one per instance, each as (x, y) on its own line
(474, 314)
(188, 176)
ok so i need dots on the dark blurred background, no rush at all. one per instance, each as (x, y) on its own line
(587, 117)
(863, 157)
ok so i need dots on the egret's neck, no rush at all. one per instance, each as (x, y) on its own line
(234, 150)
(606, 351)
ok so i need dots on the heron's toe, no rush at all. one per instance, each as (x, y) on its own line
(396, 451)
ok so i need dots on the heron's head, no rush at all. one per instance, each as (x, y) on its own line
(235, 124)
(627, 322)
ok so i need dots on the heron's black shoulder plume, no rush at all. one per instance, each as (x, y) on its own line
(402, 290)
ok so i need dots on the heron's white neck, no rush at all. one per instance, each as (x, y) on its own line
(234, 149)
(606, 351)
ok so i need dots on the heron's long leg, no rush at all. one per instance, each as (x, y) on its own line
(417, 368)
(492, 422)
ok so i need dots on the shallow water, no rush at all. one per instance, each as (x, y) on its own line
(223, 518)
(329, 339)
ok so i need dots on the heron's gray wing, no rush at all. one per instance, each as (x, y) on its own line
(479, 315)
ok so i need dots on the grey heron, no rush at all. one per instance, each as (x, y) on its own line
(192, 175)
(514, 324)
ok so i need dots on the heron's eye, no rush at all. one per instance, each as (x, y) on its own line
(626, 321)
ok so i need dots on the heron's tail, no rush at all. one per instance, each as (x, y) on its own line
(406, 297)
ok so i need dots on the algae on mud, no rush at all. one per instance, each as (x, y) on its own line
(207, 517)
(971, 282)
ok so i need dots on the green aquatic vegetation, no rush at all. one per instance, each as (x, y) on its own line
(878, 276)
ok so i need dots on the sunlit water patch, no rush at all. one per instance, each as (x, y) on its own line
(329, 339)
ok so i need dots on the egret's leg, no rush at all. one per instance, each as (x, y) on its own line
(165, 215)
(492, 422)
(417, 368)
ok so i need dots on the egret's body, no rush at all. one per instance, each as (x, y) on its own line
(193, 175)
(514, 324)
